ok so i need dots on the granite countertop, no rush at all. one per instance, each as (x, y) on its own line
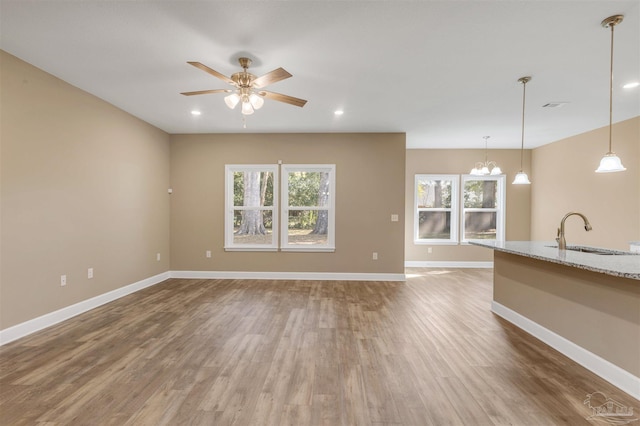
(627, 265)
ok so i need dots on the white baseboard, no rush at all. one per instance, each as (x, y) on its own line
(23, 329)
(600, 366)
(28, 327)
(327, 276)
(446, 264)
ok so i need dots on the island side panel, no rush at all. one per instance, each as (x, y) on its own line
(600, 313)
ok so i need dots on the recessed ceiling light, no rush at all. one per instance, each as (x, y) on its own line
(338, 112)
(194, 112)
(631, 85)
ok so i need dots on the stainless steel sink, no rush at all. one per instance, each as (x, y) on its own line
(599, 251)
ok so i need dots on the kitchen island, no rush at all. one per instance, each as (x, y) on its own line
(583, 304)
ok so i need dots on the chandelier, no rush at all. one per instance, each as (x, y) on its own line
(486, 167)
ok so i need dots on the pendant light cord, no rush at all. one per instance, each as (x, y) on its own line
(524, 95)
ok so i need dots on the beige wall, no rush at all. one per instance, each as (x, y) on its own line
(565, 181)
(460, 161)
(83, 185)
(370, 187)
(598, 312)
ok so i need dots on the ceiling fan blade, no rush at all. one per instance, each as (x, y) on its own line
(205, 92)
(271, 77)
(283, 98)
(212, 72)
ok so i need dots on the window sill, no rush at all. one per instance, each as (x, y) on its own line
(470, 242)
(250, 249)
(309, 249)
(435, 243)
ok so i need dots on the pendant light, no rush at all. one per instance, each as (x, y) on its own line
(611, 162)
(482, 169)
(521, 177)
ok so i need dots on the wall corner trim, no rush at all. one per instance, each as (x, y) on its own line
(249, 275)
(592, 362)
(446, 264)
(47, 320)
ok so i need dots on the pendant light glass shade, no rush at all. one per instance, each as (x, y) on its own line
(521, 177)
(611, 162)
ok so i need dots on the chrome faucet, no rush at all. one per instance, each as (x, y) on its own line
(562, 243)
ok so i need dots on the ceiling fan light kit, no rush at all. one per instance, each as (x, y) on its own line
(247, 87)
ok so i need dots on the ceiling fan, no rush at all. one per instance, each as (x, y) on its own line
(247, 87)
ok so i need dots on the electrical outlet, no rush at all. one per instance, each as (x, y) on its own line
(429, 250)
(394, 218)
(158, 257)
(375, 256)
(208, 254)
(90, 273)
(63, 280)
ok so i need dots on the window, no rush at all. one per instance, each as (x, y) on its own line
(436, 217)
(483, 201)
(438, 205)
(308, 207)
(251, 219)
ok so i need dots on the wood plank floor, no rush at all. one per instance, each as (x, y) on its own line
(250, 352)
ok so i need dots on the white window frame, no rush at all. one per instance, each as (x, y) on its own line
(284, 218)
(500, 208)
(454, 209)
(229, 245)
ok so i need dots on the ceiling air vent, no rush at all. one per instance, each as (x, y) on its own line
(554, 104)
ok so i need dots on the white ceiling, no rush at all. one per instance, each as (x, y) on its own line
(444, 72)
